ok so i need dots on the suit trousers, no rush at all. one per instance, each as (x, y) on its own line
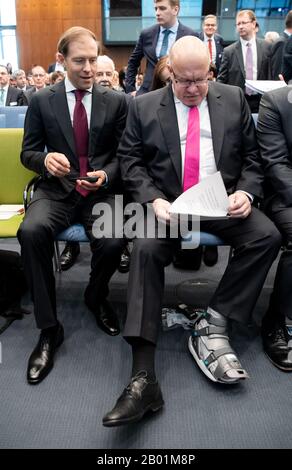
(256, 243)
(44, 219)
(281, 299)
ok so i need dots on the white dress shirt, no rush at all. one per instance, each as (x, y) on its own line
(254, 55)
(207, 159)
(171, 38)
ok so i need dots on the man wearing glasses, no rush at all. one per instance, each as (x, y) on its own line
(39, 80)
(247, 58)
(175, 137)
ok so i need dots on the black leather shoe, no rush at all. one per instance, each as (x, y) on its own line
(138, 398)
(69, 255)
(210, 256)
(105, 317)
(275, 343)
(41, 360)
(124, 265)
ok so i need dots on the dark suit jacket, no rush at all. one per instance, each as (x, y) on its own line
(219, 48)
(48, 124)
(287, 61)
(150, 154)
(146, 47)
(232, 66)
(275, 140)
(52, 67)
(276, 54)
(14, 97)
(27, 95)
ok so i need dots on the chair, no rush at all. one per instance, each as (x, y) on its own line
(13, 178)
(74, 233)
(12, 116)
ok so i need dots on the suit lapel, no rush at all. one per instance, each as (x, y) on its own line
(60, 107)
(97, 118)
(216, 113)
(152, 46)
(238, 53)
(168, 123)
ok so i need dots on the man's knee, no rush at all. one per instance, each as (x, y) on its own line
(152, 248)
(32, 231)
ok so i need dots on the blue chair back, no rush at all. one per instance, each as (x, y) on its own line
(12, 116)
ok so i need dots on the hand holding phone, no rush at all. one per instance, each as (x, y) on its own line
(90, 179)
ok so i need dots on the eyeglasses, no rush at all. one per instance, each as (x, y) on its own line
(243, 23)
(38, 75)
(184, 83)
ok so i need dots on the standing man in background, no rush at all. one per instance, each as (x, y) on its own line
(277, 49)
(247, 58)
(155, 42)
(9, 95)
(213, 41)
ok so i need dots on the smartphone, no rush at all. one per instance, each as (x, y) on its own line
(90, 179)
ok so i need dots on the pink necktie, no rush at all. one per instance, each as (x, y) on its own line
(210, 49)
(80, 129)
(192, 155)
(248, 66)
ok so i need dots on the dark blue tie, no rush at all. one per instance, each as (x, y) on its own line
(164, 47)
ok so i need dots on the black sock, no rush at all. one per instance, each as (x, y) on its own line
(143, 357)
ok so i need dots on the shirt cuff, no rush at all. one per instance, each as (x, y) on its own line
(250, 196)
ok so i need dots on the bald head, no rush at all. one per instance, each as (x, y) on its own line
(187, 51)
(189, 66)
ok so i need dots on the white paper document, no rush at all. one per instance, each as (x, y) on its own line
(206, 199)
(9, 210)
(263, 86)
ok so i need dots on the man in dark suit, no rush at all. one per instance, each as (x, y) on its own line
(159, 154)
(247, 58)
(275, 139)
(287, 61)
(9, 95)
(213, 41)
(39, 80)
(277, 49)
(63, 195)
(155, 42)
(57, 66)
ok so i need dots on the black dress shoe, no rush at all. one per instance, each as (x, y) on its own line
(275, 343)
(69, 255)
(41, 360)
(139, 397)
(124, 265)
(210, 256)
(105, 317)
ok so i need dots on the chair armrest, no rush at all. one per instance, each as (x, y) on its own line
(29, 190)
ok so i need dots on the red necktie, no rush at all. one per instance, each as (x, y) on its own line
(210, 48)
(192, 154)
(80, 129)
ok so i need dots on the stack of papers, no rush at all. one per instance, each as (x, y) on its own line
(206, 199)
(263, 86)
(9, 210)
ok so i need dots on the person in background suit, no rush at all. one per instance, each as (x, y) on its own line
(72, 129)
(20, 80)
(213, 41)
(39, 80)
(57, 66)
(9, 95)
(160, 158)
(275, 140)
(277, 50)
(247, 58)
(155, 42)
(287, 61)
